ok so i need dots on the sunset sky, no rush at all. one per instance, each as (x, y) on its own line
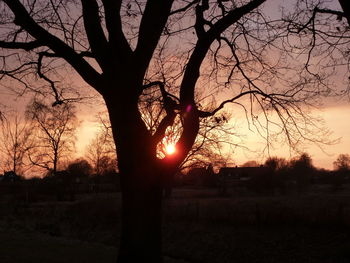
(335, 113)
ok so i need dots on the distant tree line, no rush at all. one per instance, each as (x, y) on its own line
(275, 175)
(41, 141)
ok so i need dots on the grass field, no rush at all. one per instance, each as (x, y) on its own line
(199, 226)
(30, 247)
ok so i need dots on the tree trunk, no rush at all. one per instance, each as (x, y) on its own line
(141, 217)
(141, 184)
(345, 5)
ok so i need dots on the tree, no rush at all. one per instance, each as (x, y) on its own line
(342, 168)
(214, 132)
(278, 173)
(99, 153)
(303, 162)
(251, 164)
(342, 163)
(276, 164)
(79, 168)
(101, 150)
(54, 129)
(302, 169)
(123, 49)
(322, 34)
(16, 140)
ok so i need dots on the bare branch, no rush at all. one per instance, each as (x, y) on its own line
(153, 20)
(21, 45)
(23, 19)
(95, 34)
(185, 8)
(119, 46)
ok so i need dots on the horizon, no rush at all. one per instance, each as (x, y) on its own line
(323, 158)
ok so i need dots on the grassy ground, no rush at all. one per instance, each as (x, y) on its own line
(223, 243)
(29, 247)
(199, 226)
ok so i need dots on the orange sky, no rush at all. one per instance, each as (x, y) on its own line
(336, 120)
(335, 116)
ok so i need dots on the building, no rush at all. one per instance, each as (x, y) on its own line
(242, 173)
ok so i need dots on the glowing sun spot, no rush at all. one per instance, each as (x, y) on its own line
(170, 149)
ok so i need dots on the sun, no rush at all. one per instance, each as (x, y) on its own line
(170, 149)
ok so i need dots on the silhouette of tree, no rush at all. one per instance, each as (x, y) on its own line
(228, 50)
(278, 173)
(16, 140)
(276, 164)
(54, 129)
(251, 164)
(322, 34)
(302, 169)
(342, 162)
(80, 168)
(101, 153)
(342, 168)
(302, 162)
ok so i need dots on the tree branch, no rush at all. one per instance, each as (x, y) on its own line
(204, 42)
(190, 112)
(204, 114)
(346, 8)
(153, 20)
(95, 34)
(169, 105)
(43, 76)
(185, 8)
(23, 19)
(166, 122)
(21, 45)
(200, 21)
(120, 47)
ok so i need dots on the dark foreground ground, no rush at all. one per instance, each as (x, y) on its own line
(30, 247)
(199, 226)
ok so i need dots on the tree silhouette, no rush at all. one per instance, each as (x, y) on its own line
(79, 168)
(276, 164)
(342, 162)
(54, 129)
(322, 32)
(16, 140)
(342, 168)
(302, 169)
(101, 153)
(227, 50)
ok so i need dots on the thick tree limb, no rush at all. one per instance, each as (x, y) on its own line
(23, 19)
(119, 46)
(200, 21)
(21, 45)
(95, 34)
(166, 122)
(169, 105)
(191, 75)
(204, 42)
(153, 20)
(345, 5)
